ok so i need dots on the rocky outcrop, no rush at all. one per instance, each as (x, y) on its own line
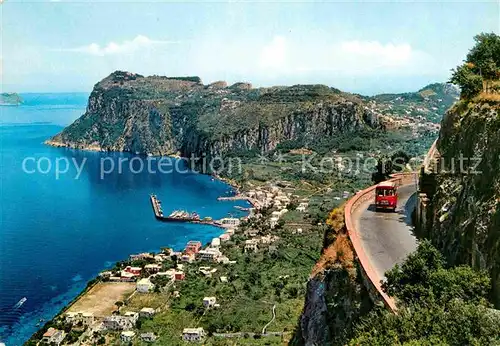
(462, 191)
(161, 115)
(336, 298)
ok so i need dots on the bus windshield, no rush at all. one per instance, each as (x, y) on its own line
(385, 192)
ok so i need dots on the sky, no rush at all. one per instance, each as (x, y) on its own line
(363, 47)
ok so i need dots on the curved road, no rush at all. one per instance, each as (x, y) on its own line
(387, 237)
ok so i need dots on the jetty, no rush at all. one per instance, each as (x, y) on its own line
(180, 215)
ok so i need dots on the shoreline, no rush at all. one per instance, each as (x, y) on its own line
(94, 279)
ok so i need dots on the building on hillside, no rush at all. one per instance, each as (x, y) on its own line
(223, 260)
(86, 318)
(302, 207)
(273, 222)
(193, 247)
(160, 258)
(152, 268)
(147, 312)
(105, 274)
(252, 232)
(225, 237)
(124, 322)
(126, 276)
(149, 337)
(127, 336)
(251, 245)
(53, 336)
(133, 270)
(207, 271)
(215, 243)
(230, 222)
(188, 257)
(179, 275)
(193, 334)
(209, 302)
(141, 256)
(209, 254)
(144, 286)
(169, 274)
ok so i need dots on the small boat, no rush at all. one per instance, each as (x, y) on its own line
(20, 303)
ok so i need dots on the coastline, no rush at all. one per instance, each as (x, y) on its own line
(94, 280)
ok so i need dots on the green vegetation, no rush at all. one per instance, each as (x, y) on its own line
(438, 305)
(481, 69)
(275, 275)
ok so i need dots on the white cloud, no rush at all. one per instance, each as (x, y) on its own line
(389, 54)
(342, 58)
(274, 54)
(112, 48)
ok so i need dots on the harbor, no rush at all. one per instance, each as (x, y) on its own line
(184, 216)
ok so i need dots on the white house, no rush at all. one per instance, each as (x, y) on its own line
(144, 286)
(276, 214)
(207, 271)
(209, 254)
(250, 245)
(273, 222)
(147, 312)
(193, 334)
(209, 302)
(230, 222)
(121, 322)
(215, 243)
(302, 207)
(86, 318)
(127, 336)
(152, 268)
(148, 337)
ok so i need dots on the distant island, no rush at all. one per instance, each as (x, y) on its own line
(10, 99)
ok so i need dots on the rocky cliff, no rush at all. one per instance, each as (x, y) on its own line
(463, 211)
(336, 298)
(162, 115)
(180, 115)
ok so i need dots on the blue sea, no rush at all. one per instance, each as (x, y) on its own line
(59, 231)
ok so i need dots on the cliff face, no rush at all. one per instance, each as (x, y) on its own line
(305, 124)
(464, 210)
(161, 115)
(335, 297)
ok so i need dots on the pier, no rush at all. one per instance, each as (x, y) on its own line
(180, 216)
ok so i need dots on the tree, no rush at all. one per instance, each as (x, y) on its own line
(437, 305)
(384, 170)
(481, 65)
(487, 48)
(470, 83)
(399, 160)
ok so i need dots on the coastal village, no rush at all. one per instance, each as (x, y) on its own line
(120, 299)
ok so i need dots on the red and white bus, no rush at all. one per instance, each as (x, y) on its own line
(386, 196)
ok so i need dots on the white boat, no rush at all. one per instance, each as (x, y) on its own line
(20, 303)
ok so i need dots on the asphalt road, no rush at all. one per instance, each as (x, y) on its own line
(387, 237)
